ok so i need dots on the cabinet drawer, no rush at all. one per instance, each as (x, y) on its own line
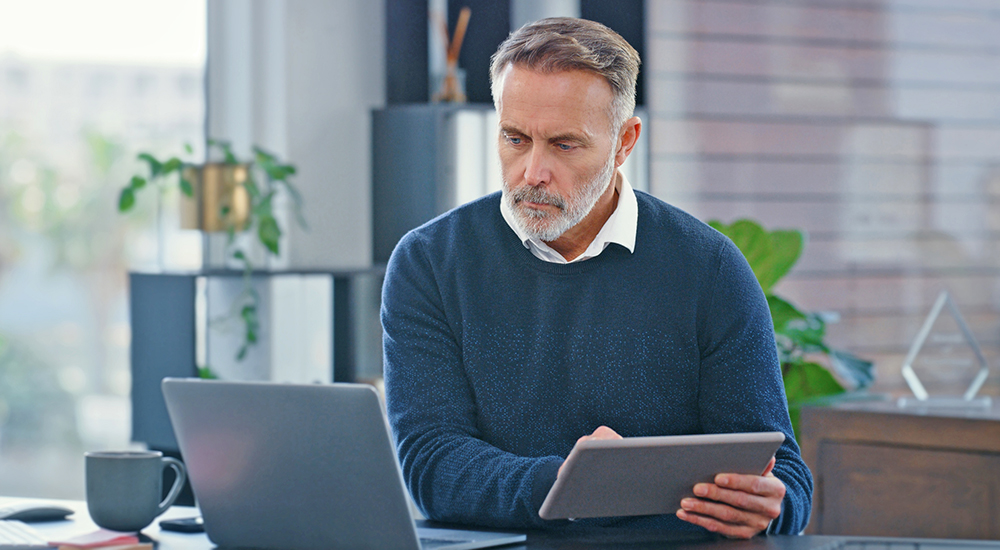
(882, 490)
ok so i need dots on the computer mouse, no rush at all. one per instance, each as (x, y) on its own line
(31, 512)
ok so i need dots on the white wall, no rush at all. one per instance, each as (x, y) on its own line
(301, 78)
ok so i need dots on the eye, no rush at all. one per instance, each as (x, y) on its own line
(513, 139)
(564, 146)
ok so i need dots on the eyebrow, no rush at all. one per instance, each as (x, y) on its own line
(504, 129)
(580, 138)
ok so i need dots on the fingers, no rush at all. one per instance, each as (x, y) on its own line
(735, 505)
(602, 432)
(727, 484)
(714, 525)
(770, 466)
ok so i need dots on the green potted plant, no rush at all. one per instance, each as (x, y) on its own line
(230, 195)
(812, 371)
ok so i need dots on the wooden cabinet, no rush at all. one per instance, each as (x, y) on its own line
(885, 471)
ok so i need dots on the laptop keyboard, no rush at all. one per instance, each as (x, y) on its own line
(904, 545)
(15, 535)
(432, 543)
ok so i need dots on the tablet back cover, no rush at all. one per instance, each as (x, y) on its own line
(650, 475)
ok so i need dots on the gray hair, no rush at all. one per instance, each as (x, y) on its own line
(566, 44)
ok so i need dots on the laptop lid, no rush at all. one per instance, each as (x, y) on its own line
(294, 466)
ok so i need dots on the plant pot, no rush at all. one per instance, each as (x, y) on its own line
(220, 200)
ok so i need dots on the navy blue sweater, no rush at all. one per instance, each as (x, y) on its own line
(497, 362)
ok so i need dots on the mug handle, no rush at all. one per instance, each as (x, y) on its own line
(175, 490)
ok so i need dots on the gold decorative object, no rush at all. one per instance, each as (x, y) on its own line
(220, 200)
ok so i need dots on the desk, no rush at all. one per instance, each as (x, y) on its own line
(882, 470)
(80, 523)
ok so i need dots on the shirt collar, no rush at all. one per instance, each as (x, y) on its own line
(620, 228)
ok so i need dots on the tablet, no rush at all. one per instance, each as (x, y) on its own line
(638, 476)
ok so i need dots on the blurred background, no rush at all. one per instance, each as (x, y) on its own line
(871, 125)
(83, 87)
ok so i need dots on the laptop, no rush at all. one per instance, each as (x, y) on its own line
(299, 466)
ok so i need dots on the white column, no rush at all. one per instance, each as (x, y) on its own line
(523, 12)
(300, 79)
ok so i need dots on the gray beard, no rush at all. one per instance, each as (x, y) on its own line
(546, 226)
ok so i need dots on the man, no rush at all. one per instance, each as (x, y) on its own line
(573, 306)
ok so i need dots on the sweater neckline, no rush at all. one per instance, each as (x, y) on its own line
(529, 260)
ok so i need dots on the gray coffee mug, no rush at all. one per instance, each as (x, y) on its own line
(124, 487)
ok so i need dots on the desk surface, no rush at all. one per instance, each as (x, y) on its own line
(80, 523)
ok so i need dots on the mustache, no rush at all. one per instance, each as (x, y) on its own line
(537, 195)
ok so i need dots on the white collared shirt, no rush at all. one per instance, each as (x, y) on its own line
(620, 228)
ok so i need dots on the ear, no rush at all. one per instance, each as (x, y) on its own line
(627, 138)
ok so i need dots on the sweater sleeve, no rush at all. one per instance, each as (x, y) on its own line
(741, 388)
(452, 473)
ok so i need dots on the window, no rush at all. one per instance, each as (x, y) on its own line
(872, 125)
(66, 149)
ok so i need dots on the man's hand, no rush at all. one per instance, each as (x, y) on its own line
(737, 506)
(602, 432)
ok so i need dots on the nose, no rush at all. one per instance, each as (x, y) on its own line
(537, 172)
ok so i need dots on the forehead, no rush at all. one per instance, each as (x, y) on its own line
(559, 101)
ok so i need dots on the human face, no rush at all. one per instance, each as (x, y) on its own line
(556, 148)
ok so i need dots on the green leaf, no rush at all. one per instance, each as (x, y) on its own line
(249, 315)
(171, 165)
(274, 170)
(186, 187)
(250, 184)
(277, 172)
(263, 207)
(807, 333)
(239, 255)
(794, 413)
(263, 156)
(206, 373)
(782, 312)
(857, 371)
(269, 233)
(806, 381)
(188, 149)
(771, 255)
(155, 166)
(126, 200)
(226, 148)
(137, 182)
(296, 200)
